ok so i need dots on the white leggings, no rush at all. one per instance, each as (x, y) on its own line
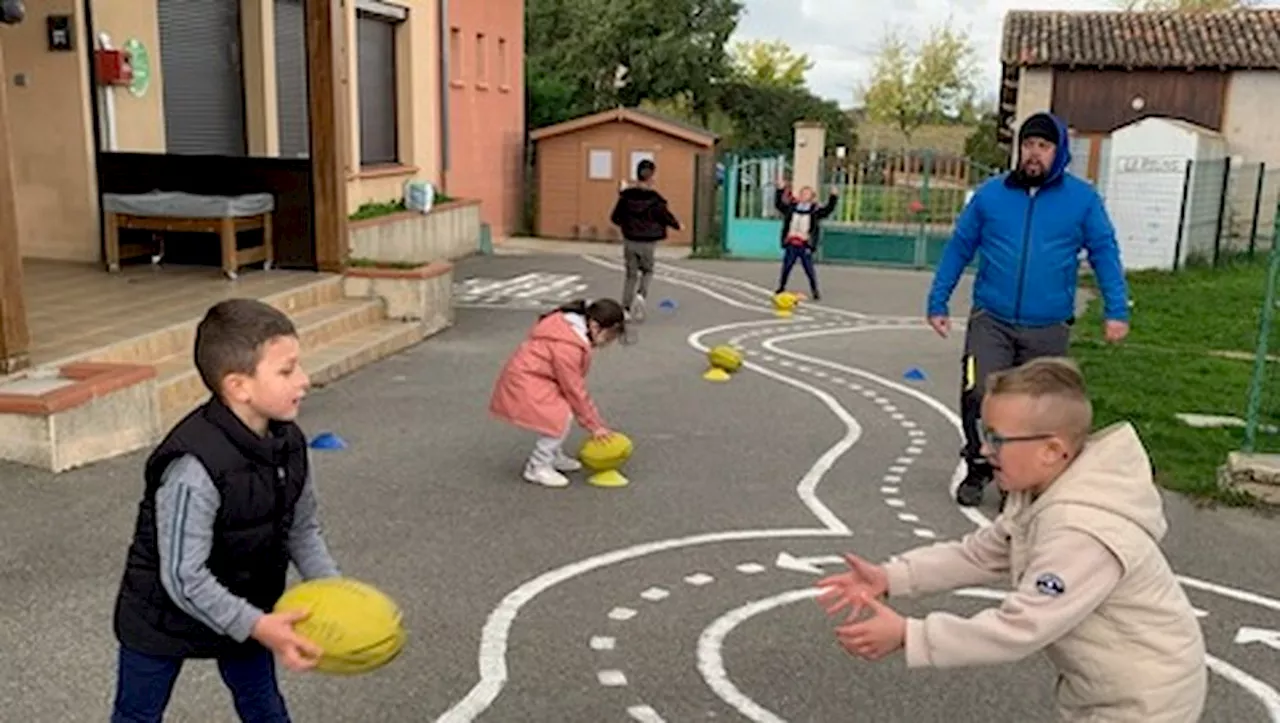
(546, 449)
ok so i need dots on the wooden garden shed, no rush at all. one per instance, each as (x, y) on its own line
(583, 163)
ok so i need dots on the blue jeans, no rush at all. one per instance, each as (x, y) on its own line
(792, 254)
(145, 682)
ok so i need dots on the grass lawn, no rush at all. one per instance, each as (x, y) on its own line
(1165, 367)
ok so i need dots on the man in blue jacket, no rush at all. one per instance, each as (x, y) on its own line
(1028, 228)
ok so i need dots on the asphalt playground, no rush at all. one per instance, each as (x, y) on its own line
(686, 596)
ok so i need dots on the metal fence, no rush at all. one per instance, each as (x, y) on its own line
(1172, 212)
(1262, 416)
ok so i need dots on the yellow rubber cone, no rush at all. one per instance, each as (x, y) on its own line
(716, 374)
(608, 478)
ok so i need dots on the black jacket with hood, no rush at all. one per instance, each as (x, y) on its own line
(642, 214)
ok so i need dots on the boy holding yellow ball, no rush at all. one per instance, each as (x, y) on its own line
(228, 504)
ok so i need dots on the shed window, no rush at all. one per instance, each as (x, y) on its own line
(636, 158)
(376, 46)
(600, 164)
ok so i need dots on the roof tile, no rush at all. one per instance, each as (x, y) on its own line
(1227, 39)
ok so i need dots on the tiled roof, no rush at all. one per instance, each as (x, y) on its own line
(1115, 39)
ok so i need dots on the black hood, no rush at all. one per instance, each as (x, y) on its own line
(639, 198)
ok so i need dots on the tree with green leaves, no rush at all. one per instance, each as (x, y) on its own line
(769, 64)
(983, 144)
(932, 84)
(1187, 5)
(588, 55)
(764, 117)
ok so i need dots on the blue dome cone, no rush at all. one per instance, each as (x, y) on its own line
(328, 440)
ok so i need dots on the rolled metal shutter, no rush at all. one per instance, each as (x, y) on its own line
(376, 45)
(203, 76)
(291, 79)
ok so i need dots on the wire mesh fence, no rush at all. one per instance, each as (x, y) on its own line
(1170, 212)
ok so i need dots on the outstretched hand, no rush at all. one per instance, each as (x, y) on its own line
(846, 589)
(874, 637)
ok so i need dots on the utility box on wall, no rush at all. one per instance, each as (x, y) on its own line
(1163, 190)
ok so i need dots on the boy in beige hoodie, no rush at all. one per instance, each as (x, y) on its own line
(1079, 540)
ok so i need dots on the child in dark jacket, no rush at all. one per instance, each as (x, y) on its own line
(229, 503)
(642, 215)
(801, 231)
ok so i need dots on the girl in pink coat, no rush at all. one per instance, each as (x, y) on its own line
(543, 386)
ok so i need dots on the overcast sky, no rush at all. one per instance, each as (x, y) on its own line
(842, 40)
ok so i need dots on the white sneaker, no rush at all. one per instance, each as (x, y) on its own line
(637, 309)
(565, 463)
(545, 476)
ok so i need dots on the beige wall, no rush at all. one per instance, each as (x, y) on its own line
(50, 122)
(139, 122)
(1253, 134)
(418, 103)
(1035, 94)
(51, 118)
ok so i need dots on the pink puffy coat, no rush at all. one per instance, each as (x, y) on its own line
(545, 381)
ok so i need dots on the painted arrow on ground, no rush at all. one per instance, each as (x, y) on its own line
(811, 565)
(1269, 638)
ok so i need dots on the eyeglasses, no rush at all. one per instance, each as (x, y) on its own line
(995, 440)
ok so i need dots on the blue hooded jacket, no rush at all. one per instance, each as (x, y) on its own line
(1030, 241)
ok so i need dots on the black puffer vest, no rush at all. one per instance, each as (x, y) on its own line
(259, 481)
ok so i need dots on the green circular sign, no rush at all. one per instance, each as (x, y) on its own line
(141, 64)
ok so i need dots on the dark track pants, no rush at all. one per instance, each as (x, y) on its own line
(990, 346)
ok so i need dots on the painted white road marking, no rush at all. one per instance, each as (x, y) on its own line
(751, 568)
(699, 579)
(655, 594)
(603, 642)
(621, 614)
(612, 678)
(908, 517)
(644, 714)
(812, 565)
(926, 534)
(1269, 638)
(711, 660)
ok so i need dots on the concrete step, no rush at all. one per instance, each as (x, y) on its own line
(178, 339)
(337, 339)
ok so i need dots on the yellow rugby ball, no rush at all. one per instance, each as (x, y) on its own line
(725, 357)
(356, 625)
(785, 301)
(606, 454)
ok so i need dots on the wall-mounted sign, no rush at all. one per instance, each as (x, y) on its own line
(140, 62)
(59, 28)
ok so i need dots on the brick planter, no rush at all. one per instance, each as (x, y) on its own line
(421, 294)
(450, 231)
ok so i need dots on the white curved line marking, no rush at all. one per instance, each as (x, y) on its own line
(711, 658)
(495, 634)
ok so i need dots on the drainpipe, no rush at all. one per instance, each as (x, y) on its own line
(108, 97)
(445, 75)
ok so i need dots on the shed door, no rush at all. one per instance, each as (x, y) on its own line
(291, 79)
(203, 76)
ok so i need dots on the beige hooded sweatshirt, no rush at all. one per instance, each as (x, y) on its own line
(1091, 588)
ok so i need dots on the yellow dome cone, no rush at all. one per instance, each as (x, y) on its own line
(608, 478)
(716, 374)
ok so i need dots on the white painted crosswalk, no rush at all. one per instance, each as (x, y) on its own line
(527, 291)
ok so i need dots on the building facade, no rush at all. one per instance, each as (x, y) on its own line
(485, 97)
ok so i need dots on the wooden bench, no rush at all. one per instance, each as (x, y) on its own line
(227, 226)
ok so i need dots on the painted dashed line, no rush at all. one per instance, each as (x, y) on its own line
(611, 678)
(655, 594)
(603, 642)
(622, 614)
(644, 714)
(751, 568)
(699, 579)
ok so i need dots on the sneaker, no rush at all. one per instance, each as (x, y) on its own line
(565, 463)
(969, 493)
(637, 309)
(545, 476)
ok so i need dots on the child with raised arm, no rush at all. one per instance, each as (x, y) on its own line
(1080, 542)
